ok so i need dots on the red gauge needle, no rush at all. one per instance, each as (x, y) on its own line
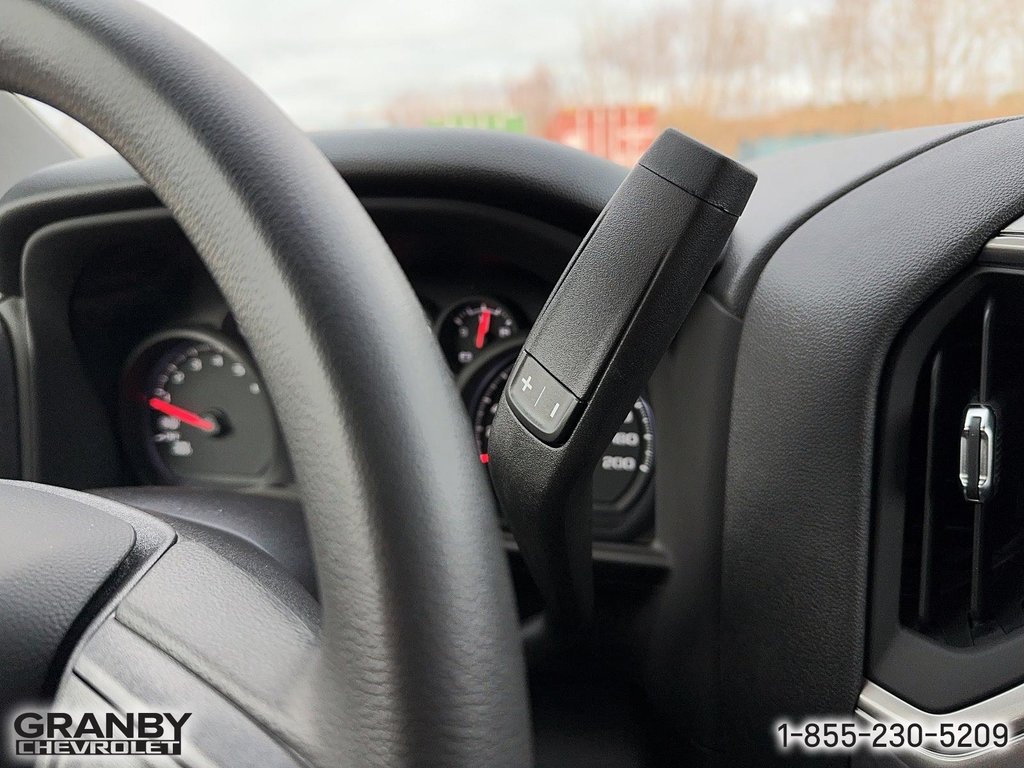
(483, 326)
(186, 417)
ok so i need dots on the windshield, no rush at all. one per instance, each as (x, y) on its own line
(749, 77)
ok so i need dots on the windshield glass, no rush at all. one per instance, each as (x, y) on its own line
(749, 77)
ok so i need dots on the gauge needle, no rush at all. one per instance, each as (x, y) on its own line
(483, 326)
(187, 417)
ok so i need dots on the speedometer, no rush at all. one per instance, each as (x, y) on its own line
(624, 469)
(196, 411)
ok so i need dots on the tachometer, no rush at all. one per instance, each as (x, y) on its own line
(468, 328)
(196, 412)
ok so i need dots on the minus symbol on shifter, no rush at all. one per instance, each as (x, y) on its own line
(554, 410)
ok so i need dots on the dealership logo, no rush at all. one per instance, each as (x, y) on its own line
(88, 734)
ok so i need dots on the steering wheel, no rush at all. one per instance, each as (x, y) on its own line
(414, 656)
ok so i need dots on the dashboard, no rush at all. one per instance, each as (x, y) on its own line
(756, 579)
(187, 406)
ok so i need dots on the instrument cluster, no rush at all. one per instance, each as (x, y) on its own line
(194, 411)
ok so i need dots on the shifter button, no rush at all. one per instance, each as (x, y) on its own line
(539, 400)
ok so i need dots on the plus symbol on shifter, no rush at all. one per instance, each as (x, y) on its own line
(526, 383)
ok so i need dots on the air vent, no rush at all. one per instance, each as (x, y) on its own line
(962, 579)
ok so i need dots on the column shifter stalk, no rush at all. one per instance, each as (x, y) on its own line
(608, 322)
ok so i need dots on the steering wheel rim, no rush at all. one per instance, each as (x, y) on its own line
(420, 658)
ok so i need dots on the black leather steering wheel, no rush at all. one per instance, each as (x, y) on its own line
(417, 659)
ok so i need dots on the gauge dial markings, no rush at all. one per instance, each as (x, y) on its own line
(195, 412)
(471, 326)
(622, 470)
(191, 418)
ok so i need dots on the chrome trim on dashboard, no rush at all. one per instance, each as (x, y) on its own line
(1006, 248)
(1006, 241)
(877, 705)
(1014, 227)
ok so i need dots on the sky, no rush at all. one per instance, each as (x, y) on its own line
(328, 62)
(340, 63)
(356, 63)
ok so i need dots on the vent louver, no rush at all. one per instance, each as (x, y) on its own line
(962, 580)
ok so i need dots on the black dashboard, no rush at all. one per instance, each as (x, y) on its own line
(179, 401)
(747, 551)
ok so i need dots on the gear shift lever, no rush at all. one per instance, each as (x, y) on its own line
(605, 326)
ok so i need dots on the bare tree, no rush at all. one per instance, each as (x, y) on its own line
(734, 71)
(534, 96)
